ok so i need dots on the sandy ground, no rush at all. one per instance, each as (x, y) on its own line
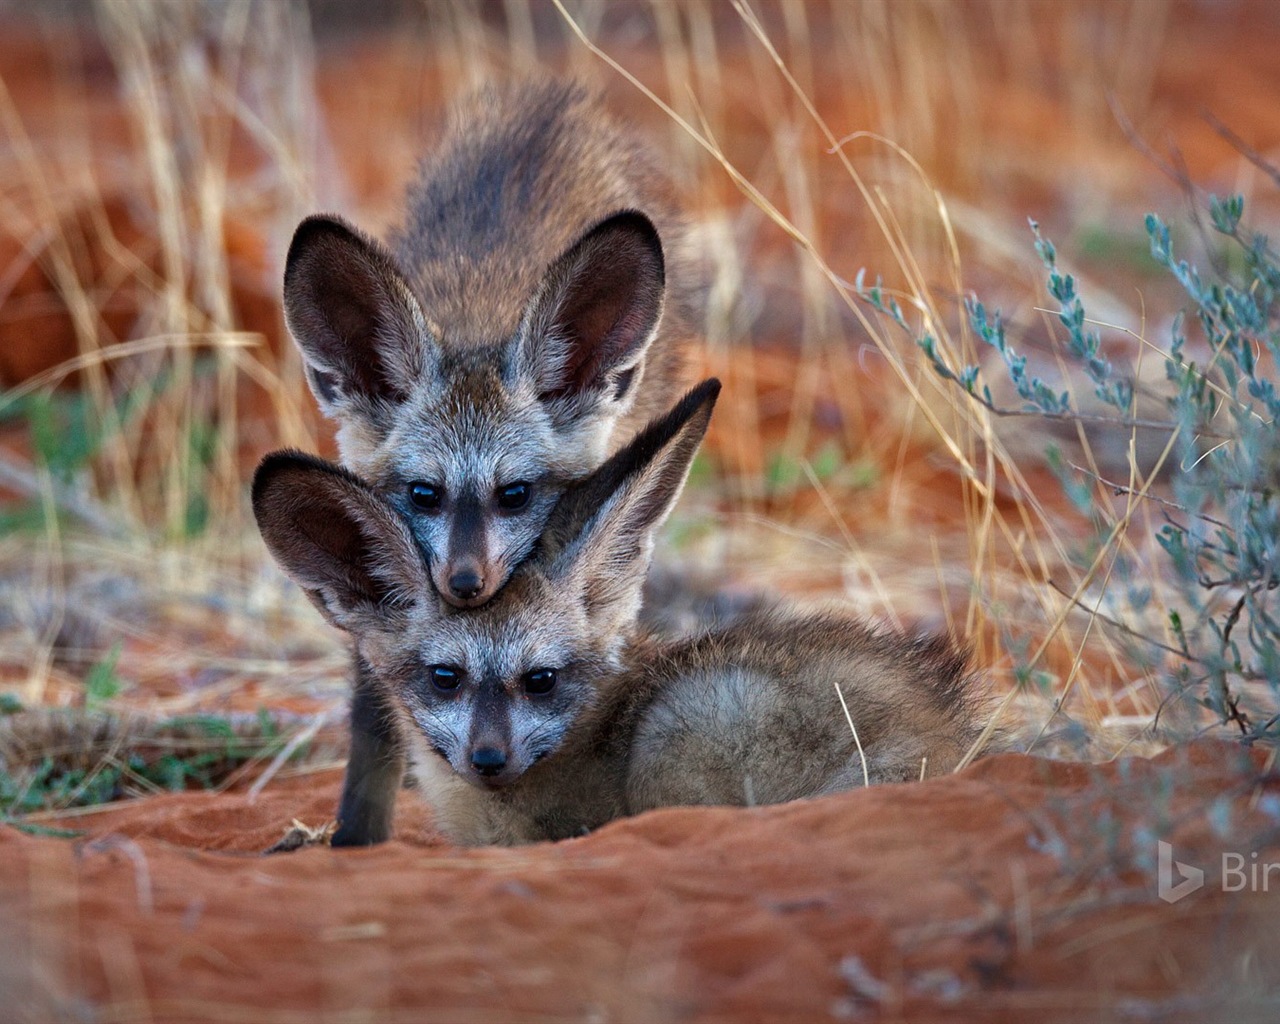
(1019, 889)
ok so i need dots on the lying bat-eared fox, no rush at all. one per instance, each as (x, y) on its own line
(524, 321)
(549, 711)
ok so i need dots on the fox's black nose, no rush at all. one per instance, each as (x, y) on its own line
(488, 760)
(465, 584)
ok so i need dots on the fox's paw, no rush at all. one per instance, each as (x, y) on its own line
(298, 835)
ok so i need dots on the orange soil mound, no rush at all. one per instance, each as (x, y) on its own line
(1021, 888)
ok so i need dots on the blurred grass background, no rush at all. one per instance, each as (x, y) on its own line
(155, 158)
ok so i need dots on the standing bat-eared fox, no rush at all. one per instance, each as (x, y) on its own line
(525, 320)
(549, 710)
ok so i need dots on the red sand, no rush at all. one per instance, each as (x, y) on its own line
(990, 895)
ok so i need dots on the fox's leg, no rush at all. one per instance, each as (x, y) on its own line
(374, 768)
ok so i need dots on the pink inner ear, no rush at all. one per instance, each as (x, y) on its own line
(331, 534)
(359, 309)
(611, 301)
(603, 322)
(344, 309)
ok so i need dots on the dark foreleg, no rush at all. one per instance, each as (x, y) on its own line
(375, 768)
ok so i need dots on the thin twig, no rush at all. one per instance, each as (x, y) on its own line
(288, 750)
(1125, 489)
(1084, 417)
(1116, 623)
(141, 872)
(1245, 150)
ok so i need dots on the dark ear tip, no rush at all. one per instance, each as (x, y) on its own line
(278, 465)
(705, 394)
(317, 228)
(708, 390)
(695, 407)
(270, 468)
(640, 227)
(630, 220)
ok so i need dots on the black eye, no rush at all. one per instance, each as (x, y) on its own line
(425, 496)
(513, 496)
(540, 681)
(445, 677)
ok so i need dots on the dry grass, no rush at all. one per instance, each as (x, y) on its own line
(153, 179)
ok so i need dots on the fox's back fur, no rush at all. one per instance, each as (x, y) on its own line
(751, 714)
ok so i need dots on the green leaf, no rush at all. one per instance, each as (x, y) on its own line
(101, 683)
(828, 459)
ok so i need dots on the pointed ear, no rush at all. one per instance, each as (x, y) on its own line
(338, 541)
(361, 331)
(600, 537)
(585, 332)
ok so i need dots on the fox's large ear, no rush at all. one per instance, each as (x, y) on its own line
(585, 332)
(362, 333)
(600, 538)
(338, 541)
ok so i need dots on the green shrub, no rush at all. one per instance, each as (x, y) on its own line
(1220, 541)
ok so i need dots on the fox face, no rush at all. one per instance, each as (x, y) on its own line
(496, 690)
(493, 690)
(474, 439)
(475, 468)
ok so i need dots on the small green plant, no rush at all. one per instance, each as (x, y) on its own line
(91, 759)
(101, 683)
(829, 464)
(1221, 532)
(69, 434)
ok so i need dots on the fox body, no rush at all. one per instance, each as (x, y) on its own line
(735, 717)
(524, 320)
(548, 711)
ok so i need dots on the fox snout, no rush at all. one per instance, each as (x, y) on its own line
(464, 582)
(467, 582)
(466, 576)
(488, 758)
(491, 767)
(488, 761)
